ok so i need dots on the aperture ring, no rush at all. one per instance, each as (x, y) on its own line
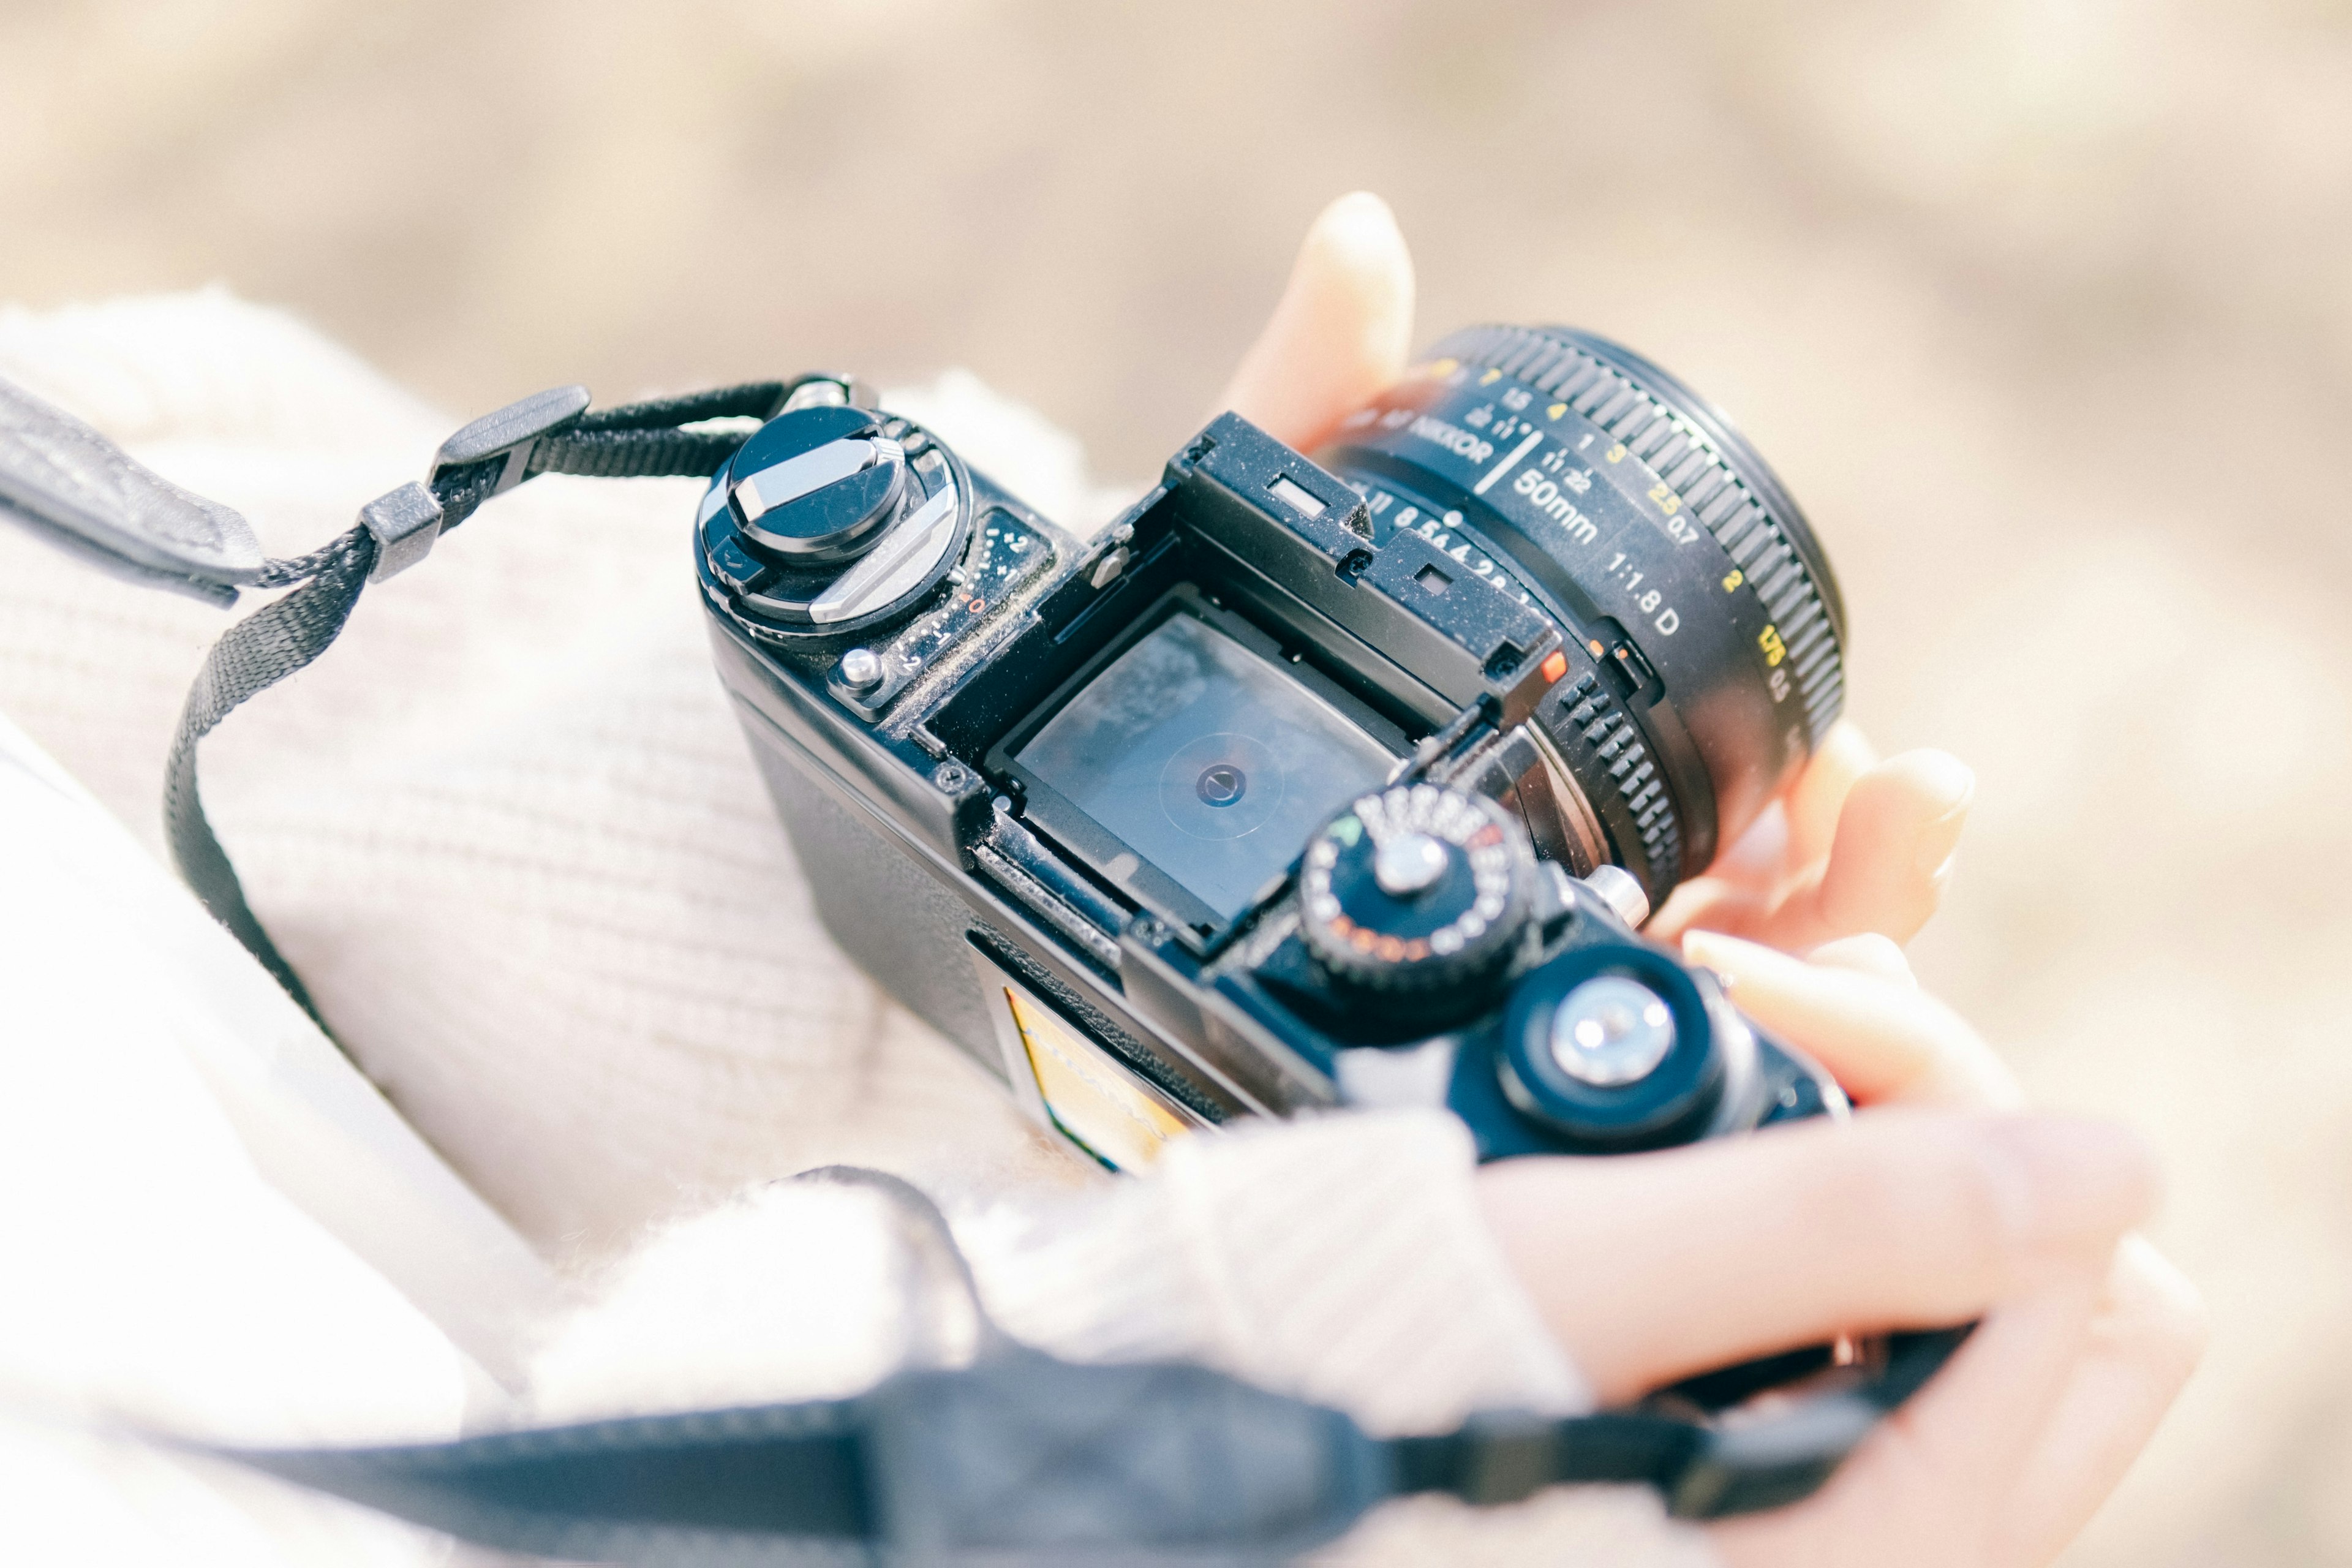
(1690, 462)
(1621, 778)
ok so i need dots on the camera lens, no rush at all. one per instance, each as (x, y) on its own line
(1705, 630)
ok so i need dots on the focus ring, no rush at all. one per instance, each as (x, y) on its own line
(1690, 461)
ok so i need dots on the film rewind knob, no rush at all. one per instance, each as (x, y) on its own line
(818, 485)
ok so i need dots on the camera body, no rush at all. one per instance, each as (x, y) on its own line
(1247, 806)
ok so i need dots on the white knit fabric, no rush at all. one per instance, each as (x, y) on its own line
(176, 1220)
(509, 833)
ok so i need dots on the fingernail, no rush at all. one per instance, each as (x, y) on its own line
(1358, 212)
(1866, 952)
(2079, 1178)
(1946, 779)
(1716, 949)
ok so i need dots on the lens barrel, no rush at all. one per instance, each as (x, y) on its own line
(1576, 477)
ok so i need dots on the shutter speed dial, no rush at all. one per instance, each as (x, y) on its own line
(1416, 891)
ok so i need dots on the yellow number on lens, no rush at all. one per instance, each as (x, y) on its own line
(1774, 651)
(1616, 454)
(1737, 578)
(1668, 502)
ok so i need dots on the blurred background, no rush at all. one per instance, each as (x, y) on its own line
(2042, 307)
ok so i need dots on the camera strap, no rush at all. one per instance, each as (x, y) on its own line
(73, 486)
(1024, 1458)
(1021, 1456)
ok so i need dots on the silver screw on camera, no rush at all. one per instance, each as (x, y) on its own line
(1621, 892)
(860, 668)
(1612, 1030)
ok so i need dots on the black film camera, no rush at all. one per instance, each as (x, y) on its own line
(1305, 782)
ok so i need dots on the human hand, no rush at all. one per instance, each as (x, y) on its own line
(1935, 1206)
(1852, 844)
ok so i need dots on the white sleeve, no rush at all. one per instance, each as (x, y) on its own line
(211, 1226)
(1343, 1259)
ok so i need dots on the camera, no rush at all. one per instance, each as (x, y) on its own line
(1308, 782)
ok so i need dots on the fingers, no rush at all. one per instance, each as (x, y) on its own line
(1857, 845)
(1739, 891)
(1868, 954)
(1819, 796)
(1716, 903)
(1789, 834)
(1889, 859)
(1341, 330)
(1653, 1267)
(1879, 1036)
(1927, 1485)
(2144, 1343)
(1760, 858)
(1892, 849)
(1970, 1430)
(2005, 1456)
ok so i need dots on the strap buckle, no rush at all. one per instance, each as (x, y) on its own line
(511, 433)
(1777, 1459)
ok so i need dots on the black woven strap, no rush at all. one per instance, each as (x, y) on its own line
(662, 436)
(256, 654)
(651, 437)
(701, 1488)
(1022, 1457)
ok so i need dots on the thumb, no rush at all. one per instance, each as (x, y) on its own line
(1341, 330)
